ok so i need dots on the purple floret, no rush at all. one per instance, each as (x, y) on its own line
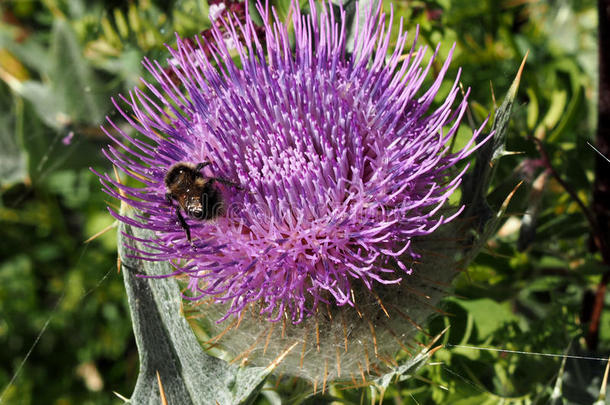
(341, 158)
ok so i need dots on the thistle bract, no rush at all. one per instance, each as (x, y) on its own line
(343, 165)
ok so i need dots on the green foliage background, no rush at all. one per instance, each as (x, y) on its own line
(64, 322)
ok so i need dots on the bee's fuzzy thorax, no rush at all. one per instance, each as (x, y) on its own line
(200, 181)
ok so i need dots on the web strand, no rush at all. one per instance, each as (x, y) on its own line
(27, 356)
(44, 327)
(563, 356)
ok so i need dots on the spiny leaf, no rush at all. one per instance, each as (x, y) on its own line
(476, 183)
(166, 343)
(409, 367)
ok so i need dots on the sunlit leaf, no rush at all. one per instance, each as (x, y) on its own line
(488, 315)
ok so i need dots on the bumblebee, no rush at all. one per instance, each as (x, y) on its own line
(195, 194)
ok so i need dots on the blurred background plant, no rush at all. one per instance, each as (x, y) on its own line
(64, 323)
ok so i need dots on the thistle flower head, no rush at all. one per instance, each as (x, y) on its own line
(328, 164)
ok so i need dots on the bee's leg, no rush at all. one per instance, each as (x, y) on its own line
(201, 166)
(227, 182)
(183, 224)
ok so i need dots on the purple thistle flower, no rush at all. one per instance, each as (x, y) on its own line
(341, 160)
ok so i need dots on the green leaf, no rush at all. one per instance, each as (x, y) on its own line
(350, 7)
(167, 344)
(488, 314)
(72, 78)
(30, 52)
(557, 108)
(476, 183)
(13, 163)
(49, 105)
(71, 93)
(533, 109)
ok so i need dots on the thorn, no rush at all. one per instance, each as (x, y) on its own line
(278, 381)
(268, 338)
(437, 337)
(380, 303)
(317, 335)
(283, 327)
(280, 358)
(372, 328)
(137, 175)
(244, 355)
(435, 309)
(325, 376)
(361, 373)
(113, 205)
(354, 301)
(512, 91)
(468, 112)
(389, 362)
(522, 64)
(508, 198)
(416, 292)
(304, 345)
(241, 316)
(103, 231)
(376, 369)
(122, 398)
(118, 180)
(338, 356)
(161, 391)
(512, 153)
(216, 338)
(434, 350)
(493, 95)
(344, 331)
(411, 321)
(395, 336)
(435, 282)
(367, 363)
(330, 315)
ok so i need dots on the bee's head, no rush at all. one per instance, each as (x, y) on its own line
(196, 212)
(194, 208)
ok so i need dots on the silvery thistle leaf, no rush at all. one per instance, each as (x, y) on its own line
(171, 358)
